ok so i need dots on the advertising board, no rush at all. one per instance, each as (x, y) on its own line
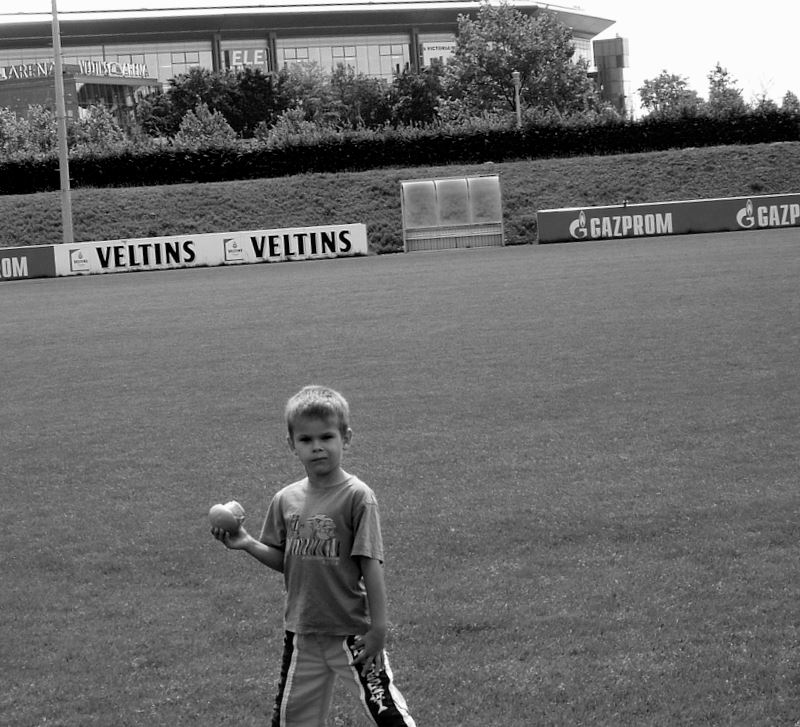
(20, 263)
(221, 248)
(668, 218)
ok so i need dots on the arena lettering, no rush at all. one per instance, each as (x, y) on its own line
(13, 267)
(146, 254)
(113, 68)
(299, 244)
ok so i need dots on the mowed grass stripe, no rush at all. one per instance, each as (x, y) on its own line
(585, 456)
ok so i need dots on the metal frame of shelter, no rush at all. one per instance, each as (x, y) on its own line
(452, 212)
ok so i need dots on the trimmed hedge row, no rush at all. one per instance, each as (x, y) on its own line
(359, 152)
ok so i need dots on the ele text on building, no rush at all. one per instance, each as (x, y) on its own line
(115, 56)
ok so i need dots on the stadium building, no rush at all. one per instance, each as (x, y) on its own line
(114, 56)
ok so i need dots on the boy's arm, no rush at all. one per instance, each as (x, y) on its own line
(242, 540)
(374, 640)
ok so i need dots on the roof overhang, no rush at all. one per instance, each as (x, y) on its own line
(156, 24)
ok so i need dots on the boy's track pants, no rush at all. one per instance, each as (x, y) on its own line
(311, 663)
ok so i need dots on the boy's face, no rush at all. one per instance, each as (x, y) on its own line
(319, 444)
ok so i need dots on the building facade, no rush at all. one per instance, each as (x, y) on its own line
(120, 54)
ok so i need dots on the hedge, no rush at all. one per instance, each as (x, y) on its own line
(409, 147)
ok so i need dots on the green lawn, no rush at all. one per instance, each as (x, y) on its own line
(585, 455)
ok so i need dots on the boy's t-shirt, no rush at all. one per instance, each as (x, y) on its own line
(321, 531)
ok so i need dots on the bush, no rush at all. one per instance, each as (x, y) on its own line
(206, 148)
(203, 128)
(96, 132)
(31, 136)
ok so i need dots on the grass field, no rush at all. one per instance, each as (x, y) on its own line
(586, 457)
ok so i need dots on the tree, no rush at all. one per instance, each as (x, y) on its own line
(501, 40)
(790, 103)
(358, 100)
(414, 95)
(96, 131)
(305, 86)
(724, 98)
(255, 95)
(244, 98)
(764, 105)
(668, 95)
(202, 127)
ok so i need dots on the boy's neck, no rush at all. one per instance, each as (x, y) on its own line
(332, 478)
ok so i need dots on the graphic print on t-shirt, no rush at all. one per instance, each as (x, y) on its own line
(314, 537)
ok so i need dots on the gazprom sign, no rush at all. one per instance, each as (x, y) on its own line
(668, 218)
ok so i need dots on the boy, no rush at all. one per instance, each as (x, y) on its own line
(323, 533)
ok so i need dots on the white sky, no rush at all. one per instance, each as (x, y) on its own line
(756, 42)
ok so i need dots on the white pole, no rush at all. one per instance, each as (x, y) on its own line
(61, 123)
(516, 79)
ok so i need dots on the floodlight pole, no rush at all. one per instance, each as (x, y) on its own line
(61, 124)
(517, 84)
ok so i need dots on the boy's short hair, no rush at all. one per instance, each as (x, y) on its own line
(320, 402)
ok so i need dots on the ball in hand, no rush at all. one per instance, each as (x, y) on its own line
(227, 517)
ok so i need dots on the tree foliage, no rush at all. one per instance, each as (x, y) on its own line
(668, 95)
(724, 97)
(305, 86)
(244, 98)
(414, 96)
(790, 103)
(203, 128)
(501, 40)
(359, 101)
(35, 134)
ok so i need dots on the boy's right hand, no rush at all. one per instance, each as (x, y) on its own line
(234, 541)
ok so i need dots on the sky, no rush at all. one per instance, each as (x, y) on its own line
(755, 42)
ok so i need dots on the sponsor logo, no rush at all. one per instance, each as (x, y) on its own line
(301, 244)
(132, 255)
(78, 262)
(771, 215)
(233, 251)
(612, 226)
(14, 267)
(146, 254)
(375, 688)
(377, 694)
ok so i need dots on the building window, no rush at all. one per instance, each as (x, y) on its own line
(377, 56)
